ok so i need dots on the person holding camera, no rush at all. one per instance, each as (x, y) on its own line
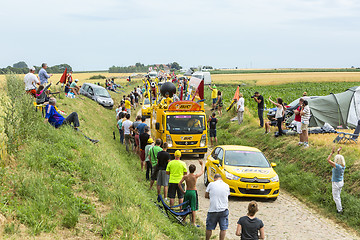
(279, 115)
(305, 120)
(260, 101)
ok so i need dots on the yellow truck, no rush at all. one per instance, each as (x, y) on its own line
(182, 125)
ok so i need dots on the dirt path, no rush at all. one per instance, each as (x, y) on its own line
(286, 218)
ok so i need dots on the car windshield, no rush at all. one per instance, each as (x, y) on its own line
(246, 159)
(101, 92)
(185, 124)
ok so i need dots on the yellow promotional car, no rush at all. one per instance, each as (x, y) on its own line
(245, 169)
(146, 108)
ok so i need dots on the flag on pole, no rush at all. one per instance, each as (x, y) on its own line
(63, 77)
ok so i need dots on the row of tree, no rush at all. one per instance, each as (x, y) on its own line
(139, 67)
(22, 68)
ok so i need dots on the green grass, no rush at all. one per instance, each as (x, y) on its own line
(288, 92)
(303, 172)
(285, 70)
(56, 180)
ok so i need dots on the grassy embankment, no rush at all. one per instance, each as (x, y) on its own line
(303, 172)
(56, 184)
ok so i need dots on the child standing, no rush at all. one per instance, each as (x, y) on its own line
(191, 192)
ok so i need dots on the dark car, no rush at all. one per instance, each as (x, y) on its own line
(97, 93)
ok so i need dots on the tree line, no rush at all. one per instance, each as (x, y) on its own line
(22, 68)
(139, 67)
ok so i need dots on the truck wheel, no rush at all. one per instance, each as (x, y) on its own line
(201, 155)
(206, 180)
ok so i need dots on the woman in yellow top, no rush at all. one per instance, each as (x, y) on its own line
(214, 94)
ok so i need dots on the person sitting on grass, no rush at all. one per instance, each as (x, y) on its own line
(74, 87)
(191, 192)
(56, 119)
(41, 94)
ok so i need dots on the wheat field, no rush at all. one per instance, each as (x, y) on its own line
(262, 79)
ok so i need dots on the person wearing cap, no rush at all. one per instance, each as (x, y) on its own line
(31, 81)
(214, 94)
(74, 87)
(176, 169)
(150, 144)
(43, 75)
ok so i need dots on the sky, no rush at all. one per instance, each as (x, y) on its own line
(95, 35)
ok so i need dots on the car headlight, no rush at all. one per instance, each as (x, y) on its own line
(275, 179)
(231, 176)
(169, 140)
(203, 140)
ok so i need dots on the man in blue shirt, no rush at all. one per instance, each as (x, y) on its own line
(55, 118)
(141, 127)
(43, 75)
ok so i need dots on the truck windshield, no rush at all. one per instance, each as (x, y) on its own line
(185, 124)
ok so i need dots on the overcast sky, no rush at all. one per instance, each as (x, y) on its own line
(94, 35)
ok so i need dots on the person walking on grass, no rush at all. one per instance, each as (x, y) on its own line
(219, 103)
(260, 101)
(279, 115)
(162, 178)
(214, 94)
(218, 193)
(136, 133)
(305, 120)
(212, 121)
(126, 127)
(144, 137)
(150, 144)
(153, 152)
(176, 169)
(249, 226)
(128, 105)
(191, 191)
(337, 179)
(122, 118)
(240, 108)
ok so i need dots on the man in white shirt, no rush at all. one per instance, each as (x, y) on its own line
(240, 108)
(126, 127)
(30, 81)
(218, 192)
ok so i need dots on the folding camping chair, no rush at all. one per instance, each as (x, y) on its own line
(348, 137)
(178, 215)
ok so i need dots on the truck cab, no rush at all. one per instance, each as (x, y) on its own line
(182, 125)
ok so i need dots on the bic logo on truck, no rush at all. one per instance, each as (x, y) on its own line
(186, 138)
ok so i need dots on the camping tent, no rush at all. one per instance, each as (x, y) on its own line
(341, 109)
